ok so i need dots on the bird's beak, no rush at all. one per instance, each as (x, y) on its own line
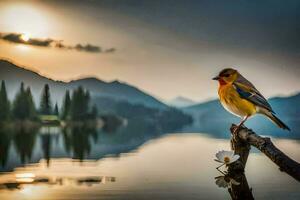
(216, 78)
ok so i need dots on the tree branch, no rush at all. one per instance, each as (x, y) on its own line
(236, 171)
(245, 136)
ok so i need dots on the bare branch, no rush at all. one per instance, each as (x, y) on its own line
(264, 144)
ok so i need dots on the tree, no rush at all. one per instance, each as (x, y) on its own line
(45, 105)
(94, 113)
(244, 138)
(80, 104)
(4, 103)
(19, 111)
(30, 104)
(56, 112)
(23, 105)
(66, 106)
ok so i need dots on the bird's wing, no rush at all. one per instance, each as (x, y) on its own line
(246, 90)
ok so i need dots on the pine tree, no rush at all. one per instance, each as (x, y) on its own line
(86, 102)
(80, 104)
(18, 104)
(56, 112)
(23, 105)
(45, 105)
(94, 113)
(66, 106)
(30, 104)
(4, 103)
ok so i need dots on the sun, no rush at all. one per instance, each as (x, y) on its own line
(21, 16)
(25, 37)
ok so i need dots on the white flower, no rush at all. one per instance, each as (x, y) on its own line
(226, 157)
(225, 181)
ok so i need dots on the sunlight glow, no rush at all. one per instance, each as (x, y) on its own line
(25, 177)
(19, 17)
(27, 190)
(25, 37)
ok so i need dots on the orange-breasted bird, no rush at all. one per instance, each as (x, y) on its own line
(241, 98)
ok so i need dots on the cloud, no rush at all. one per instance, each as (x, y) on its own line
(52, 43)
(17, 38)
(88, 48)
(110, 50)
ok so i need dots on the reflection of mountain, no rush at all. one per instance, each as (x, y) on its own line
(78, 142)
(14, 75)
(212, 117)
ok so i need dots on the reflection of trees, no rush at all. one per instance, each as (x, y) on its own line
(78, 140)
(47, 134)
(5, 141)
(111, 123)
(241, 190)
(46, 145)
(24, 140)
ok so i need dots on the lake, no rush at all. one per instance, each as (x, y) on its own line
(51, 163)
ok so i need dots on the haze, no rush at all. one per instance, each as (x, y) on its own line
(167, 48)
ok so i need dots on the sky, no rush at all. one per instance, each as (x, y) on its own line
(166, 48)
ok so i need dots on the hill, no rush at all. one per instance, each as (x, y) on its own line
(211, 112)
(14, 75)
(180, 102)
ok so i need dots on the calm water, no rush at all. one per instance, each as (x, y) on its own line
(85, 164)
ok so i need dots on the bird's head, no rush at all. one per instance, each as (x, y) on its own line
(226, 76)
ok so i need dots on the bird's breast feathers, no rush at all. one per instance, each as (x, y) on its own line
(232, 102)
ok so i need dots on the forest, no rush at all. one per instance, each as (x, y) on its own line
(75, 107)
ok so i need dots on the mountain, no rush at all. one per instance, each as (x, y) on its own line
(211, 117)
(180, 102)
(14, 75)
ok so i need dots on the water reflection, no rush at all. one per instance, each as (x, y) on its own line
(66, 161)
(21, 180)
(236, 183)
(28, 144)
(24, 142)
(77, 140)
(5, 141)
(225, 181)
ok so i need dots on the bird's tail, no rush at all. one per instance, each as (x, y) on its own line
(276, 120)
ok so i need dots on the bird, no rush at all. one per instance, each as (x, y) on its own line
(240, 97)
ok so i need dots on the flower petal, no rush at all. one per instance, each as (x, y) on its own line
(234, 158)
(229, 154)
(225, 154)
(220, 156)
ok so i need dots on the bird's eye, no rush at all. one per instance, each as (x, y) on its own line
(226, 75)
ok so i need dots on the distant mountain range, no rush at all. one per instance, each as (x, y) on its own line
(180, 102)
(211, 117)
(126, 100)
(14, 75)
